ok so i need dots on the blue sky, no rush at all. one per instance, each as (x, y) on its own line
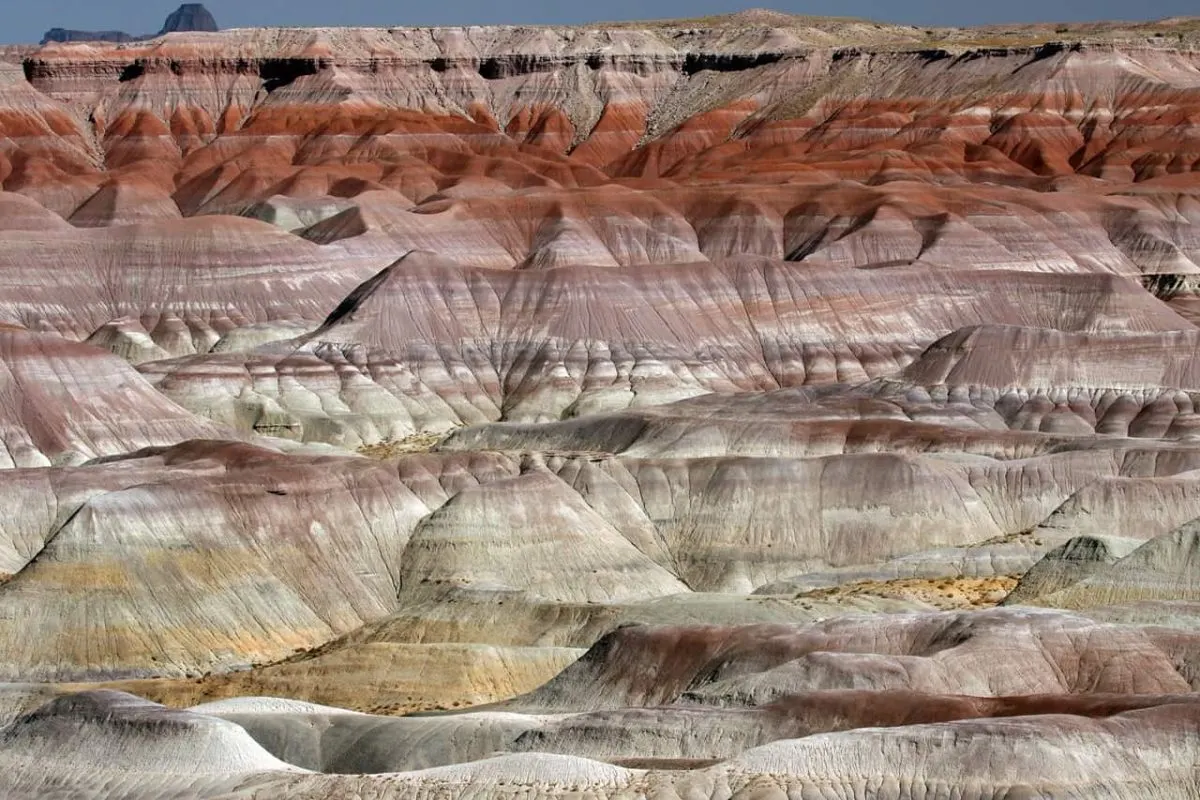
(26, 20)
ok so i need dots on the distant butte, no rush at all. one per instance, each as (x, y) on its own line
(746, 407)
(189, 17)
(68, 35)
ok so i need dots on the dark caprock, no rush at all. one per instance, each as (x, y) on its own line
(190, 17)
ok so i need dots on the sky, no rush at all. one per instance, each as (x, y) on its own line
(27, 20)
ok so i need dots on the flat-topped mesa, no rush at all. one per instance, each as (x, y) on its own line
(452, 114)
(188, 18)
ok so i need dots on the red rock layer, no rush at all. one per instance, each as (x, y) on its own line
(534, 148)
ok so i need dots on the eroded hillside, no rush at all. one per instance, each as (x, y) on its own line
(753, 406)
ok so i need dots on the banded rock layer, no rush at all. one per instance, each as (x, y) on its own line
(760, 407)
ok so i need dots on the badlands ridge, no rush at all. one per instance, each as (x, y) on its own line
(749, 407)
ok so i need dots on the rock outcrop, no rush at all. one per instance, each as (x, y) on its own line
(188, 18)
